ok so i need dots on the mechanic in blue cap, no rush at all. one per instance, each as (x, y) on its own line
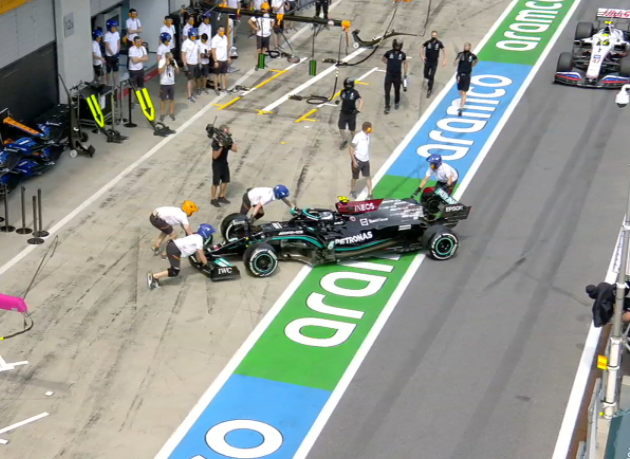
(256, 198)
(112, 50)
(97, 55)
(445, 175)
(176, 249)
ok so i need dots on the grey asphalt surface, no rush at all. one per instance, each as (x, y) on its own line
(480, 355)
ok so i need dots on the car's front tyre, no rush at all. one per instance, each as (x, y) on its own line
(261, 260)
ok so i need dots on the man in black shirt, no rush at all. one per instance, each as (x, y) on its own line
(220, 168)
(430, 54)
(348, 114)
(465, 62)
(396, 60)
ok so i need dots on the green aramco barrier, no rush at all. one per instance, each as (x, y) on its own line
(618, 446)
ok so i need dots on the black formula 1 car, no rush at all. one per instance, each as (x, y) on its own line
(357, 229)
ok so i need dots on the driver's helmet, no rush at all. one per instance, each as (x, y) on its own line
(434, 161)
(280, 191)
(205, 231)
(604, 39)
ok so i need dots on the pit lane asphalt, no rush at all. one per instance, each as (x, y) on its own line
(479, 357)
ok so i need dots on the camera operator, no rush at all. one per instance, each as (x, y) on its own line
(167, 68)
(222, 143)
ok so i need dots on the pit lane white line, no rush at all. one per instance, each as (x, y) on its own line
(22, 423)
(107, 187)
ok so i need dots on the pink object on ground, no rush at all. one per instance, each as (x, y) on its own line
(12, 303)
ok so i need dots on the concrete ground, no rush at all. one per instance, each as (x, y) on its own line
(125, 364)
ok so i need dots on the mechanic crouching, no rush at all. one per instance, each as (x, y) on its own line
(163, 218)
(255, 199)
(176, 249)
(445, 175)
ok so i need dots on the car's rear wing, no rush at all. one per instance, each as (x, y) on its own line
(612, 13)
(454, 212)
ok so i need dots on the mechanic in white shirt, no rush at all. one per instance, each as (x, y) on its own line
(134, 26)
(190, 59)
(137, 57)
(360, 157)
(169, 28)
(262, 27)
(277, 7)
(112, 50)
(204, 59)
(189, 25)
(183, 248)
(445, 175)
(167, 68)
(205, 26)
(258, 5)
(163, 218)
(97, 57)
(164, 46)
(219, 46)
(255, 199)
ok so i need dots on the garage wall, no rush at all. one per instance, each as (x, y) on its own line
(28, 59)
(26, 29)
(96, 6)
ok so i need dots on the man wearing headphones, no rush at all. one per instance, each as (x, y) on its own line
(396, 61)
(176, 249)
(256, 198)
(262, 27)
(445, 175)
(349, 97)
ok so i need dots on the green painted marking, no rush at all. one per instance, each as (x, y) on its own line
(525, 32)
(278, 358)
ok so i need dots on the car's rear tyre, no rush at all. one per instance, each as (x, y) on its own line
(260, 259)
(440, 242)
(565, 62)
(228, 231)
(624, 67)
(584, 30)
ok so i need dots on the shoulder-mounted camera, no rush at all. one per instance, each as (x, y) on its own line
(218, 134)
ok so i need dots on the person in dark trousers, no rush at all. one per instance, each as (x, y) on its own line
(396, 61)
(350, 98)
(430, 54)
(321, 5)
(220, 169)
(465, 61)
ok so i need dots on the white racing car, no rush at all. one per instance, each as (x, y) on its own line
(600, 54)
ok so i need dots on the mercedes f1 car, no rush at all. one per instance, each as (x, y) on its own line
(600, 54)
(355, 229)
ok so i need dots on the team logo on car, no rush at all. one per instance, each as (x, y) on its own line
(354, 239)
(455, 208)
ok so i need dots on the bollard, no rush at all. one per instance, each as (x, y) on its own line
(35, 240)
(130, 123)
(3, 188)
(6, 228)
(24, 229)
(39, 232)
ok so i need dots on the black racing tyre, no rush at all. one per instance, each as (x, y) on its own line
(565, 62)
(227, 223)
(440, 242)
(624, 67)
(260, 259)
(584, 30)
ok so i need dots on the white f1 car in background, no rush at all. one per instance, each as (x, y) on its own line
(600, 57)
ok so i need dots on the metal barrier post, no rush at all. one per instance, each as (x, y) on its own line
(6, 228)
(40, 232)
(24, 229)
(35, 240)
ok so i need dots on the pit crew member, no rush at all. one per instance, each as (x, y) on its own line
(255, 198)
(163, 218)
(176, 249)
(445, 175)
